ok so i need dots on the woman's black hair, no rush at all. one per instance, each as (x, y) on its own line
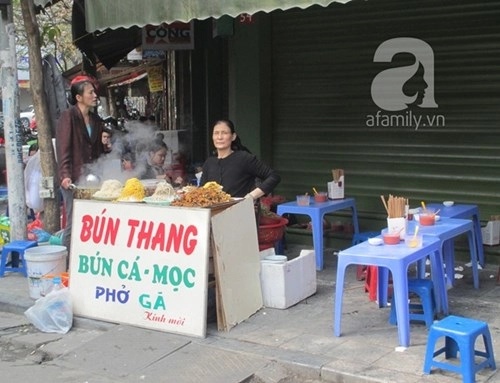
(77, 89)
(128, 156)
(156, 145)
(236, 144)
(33, 148)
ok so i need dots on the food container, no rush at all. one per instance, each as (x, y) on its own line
(303, 200)
(85, 192)
(391, 238)
(321, 197)
(414, 240)
(427, 219)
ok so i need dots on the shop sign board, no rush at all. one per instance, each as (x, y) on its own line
(141, 265)
(168, 36)
(155, 78)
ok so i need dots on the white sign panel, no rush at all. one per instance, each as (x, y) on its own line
(141, 265)
(174, 36)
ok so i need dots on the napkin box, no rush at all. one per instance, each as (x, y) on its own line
(336, 189)
(286, 284)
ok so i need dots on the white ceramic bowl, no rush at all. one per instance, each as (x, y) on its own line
(448, 203)
(375, 241)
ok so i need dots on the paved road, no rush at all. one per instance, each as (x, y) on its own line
(280, 346)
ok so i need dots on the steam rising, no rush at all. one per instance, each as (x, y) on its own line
(137, 141)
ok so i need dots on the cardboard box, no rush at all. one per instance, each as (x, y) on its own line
(336, 189)
(285, 284)
(491, 233)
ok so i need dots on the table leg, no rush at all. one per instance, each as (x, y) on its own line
(479, 238)
(400, 291)
(382, 286)
(339, 290)
(438, 280)
(448, 250)
(473, 257)
(355, 219)
(317, 232)
(421, 268)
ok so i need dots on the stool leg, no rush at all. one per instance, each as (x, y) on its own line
(392, 314)
(488, 345)
(429, 353)
(22, 260)
(3, 263)
(14, 259)
(428, 307)
(468, 365)
(359, 272)
(451, 348)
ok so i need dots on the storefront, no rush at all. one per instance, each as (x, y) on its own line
(301, 86)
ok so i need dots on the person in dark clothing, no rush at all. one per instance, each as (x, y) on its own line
(154, 163)
(240, 172)
(78, 142)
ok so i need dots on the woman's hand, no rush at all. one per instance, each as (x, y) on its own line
(66, 183)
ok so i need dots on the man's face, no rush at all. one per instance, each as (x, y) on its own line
(106, 138)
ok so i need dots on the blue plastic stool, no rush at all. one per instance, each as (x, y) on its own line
(423, 311)
(460, 336)
(18, 247)
(358, 238)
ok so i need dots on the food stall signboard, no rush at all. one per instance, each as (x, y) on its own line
(140, 264)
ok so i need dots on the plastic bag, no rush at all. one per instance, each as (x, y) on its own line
(36, 224)
(53, 312)
(40, 235)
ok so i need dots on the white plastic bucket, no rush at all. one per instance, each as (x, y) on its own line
(41, 261)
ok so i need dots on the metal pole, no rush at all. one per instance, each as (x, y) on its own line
(12, 126)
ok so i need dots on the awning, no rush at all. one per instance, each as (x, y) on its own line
(113, 14)
(109, 46)
(135, 77)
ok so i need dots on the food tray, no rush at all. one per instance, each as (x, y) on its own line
(105, 198)
(151, 201)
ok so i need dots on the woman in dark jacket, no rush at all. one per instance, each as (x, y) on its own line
(78, 142)
(240, 173)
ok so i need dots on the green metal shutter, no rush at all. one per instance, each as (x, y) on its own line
(322, 70)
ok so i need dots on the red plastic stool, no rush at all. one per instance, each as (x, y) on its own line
(358, 238)
(371, 283)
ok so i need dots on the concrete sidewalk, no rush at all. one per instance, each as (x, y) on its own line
(292, 345)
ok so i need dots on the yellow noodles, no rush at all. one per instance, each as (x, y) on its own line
(133, 191)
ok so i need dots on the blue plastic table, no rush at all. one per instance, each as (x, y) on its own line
(395, 258)
(447, 229)
(317, 210)
(464, 212)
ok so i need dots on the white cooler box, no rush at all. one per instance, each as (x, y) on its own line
(491, 233)
(285, 284)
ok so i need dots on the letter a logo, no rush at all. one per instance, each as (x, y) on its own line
(390, 88)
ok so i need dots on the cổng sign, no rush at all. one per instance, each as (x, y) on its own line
(166, 37)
